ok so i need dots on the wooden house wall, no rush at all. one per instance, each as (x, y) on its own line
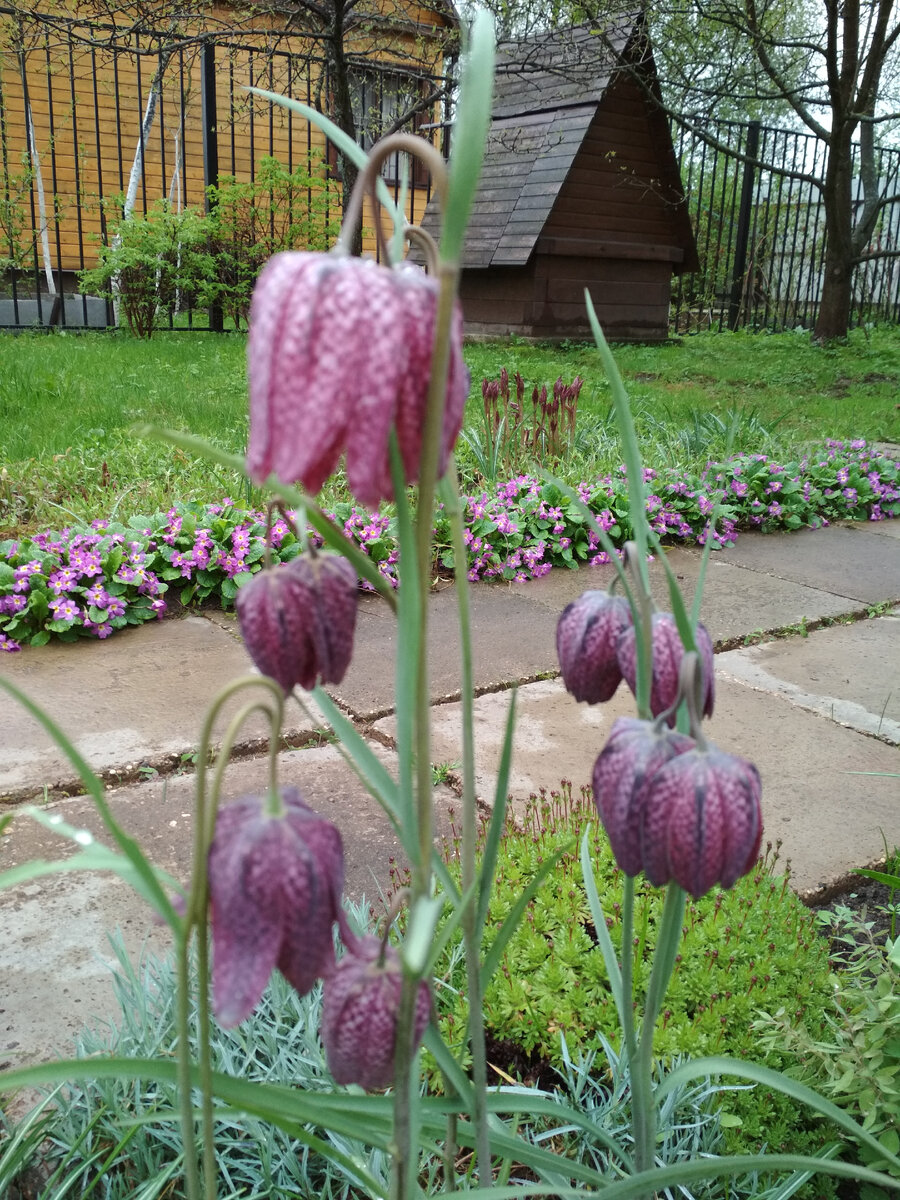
(87, 106)
(611, 229)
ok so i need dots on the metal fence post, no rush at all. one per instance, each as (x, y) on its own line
(743, 227)
(210, 150)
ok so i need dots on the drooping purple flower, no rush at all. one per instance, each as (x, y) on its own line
(587, 637)
(701, 820)
(339, 352)
(360, 1013)
(668, 651)
(633, 754)
(275, 892)
(298, 620)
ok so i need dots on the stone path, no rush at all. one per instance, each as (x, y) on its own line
(816, 710)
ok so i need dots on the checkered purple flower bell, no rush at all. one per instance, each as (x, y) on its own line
(275, 892)
(701, 820)
(668, 651)
(587, 637)
(339, 352)
(298, 619)
(633, 754)
(361, 1009)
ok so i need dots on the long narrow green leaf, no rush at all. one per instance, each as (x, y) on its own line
(151, 889)
(449, 928)
(409, 635)
(498, 818)
(677, 1175)
(699, 1068)
(607, 949)
(335, 134)
(561, 1113)
(368, 766)
(473, 118)
(637, 495)
(514, 916)
(452, 1071)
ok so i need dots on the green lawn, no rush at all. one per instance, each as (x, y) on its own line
(67, 403)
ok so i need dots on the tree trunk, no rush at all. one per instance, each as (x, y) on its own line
(833, 320)
(343, 113)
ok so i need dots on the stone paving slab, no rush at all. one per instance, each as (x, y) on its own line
(736, 600)
(848, 673)
(513, 639)
(848, 562)
(54, 952)
(887, 528)
(137, 698)
(830, 819)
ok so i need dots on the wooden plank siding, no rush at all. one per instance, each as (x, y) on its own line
(87, 106)
(581, 190)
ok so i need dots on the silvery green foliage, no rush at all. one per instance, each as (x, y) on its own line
(279, 1042)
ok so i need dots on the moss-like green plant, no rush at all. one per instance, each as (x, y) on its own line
(749, 950)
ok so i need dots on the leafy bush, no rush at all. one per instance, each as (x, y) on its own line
(749, 949)
(856, 1064)
(249, 221)
(154, 264)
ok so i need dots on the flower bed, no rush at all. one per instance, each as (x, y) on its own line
(92, 581)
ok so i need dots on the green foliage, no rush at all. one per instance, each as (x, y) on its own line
(855, 1058)
(754, 948)
(153, 265)
(249, 221)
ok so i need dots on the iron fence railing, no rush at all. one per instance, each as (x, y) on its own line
(75, 134)
(761, 231)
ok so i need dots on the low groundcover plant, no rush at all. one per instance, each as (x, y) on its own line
(266, 882)
(90, 582)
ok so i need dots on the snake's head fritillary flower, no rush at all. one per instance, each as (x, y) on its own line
(340, 352)
(360, 1013)
(635, 751)
(587, 638)
(275, 892)
(701, 821)
(298, 619)
(668, 651)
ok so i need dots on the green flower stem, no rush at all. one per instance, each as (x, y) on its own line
(643, 1101)
(185, 1104)
(628, 1029)
(470, 924)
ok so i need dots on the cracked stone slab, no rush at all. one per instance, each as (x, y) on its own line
(830, 819)
(54, 951)
(137, 698)
(513, 639)
(857, 564)
(737, 601)
(848, 673)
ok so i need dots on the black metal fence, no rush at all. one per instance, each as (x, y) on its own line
(84, 121)
(761, 232)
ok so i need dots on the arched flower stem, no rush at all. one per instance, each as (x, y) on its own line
(405, 142)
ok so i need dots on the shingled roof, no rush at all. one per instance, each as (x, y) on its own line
(546, 94)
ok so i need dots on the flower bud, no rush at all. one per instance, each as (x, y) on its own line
(275, 892)
(668, 651)
(701, 820)
(633, 754)
(587, 637)
(298, 619)
(340, 351)
(361, 1008)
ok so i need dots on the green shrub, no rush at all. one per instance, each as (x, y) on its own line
(153, 265)
(856, 1064)
(754, 948)
(251, 220)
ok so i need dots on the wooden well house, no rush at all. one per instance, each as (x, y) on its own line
(580, 189)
